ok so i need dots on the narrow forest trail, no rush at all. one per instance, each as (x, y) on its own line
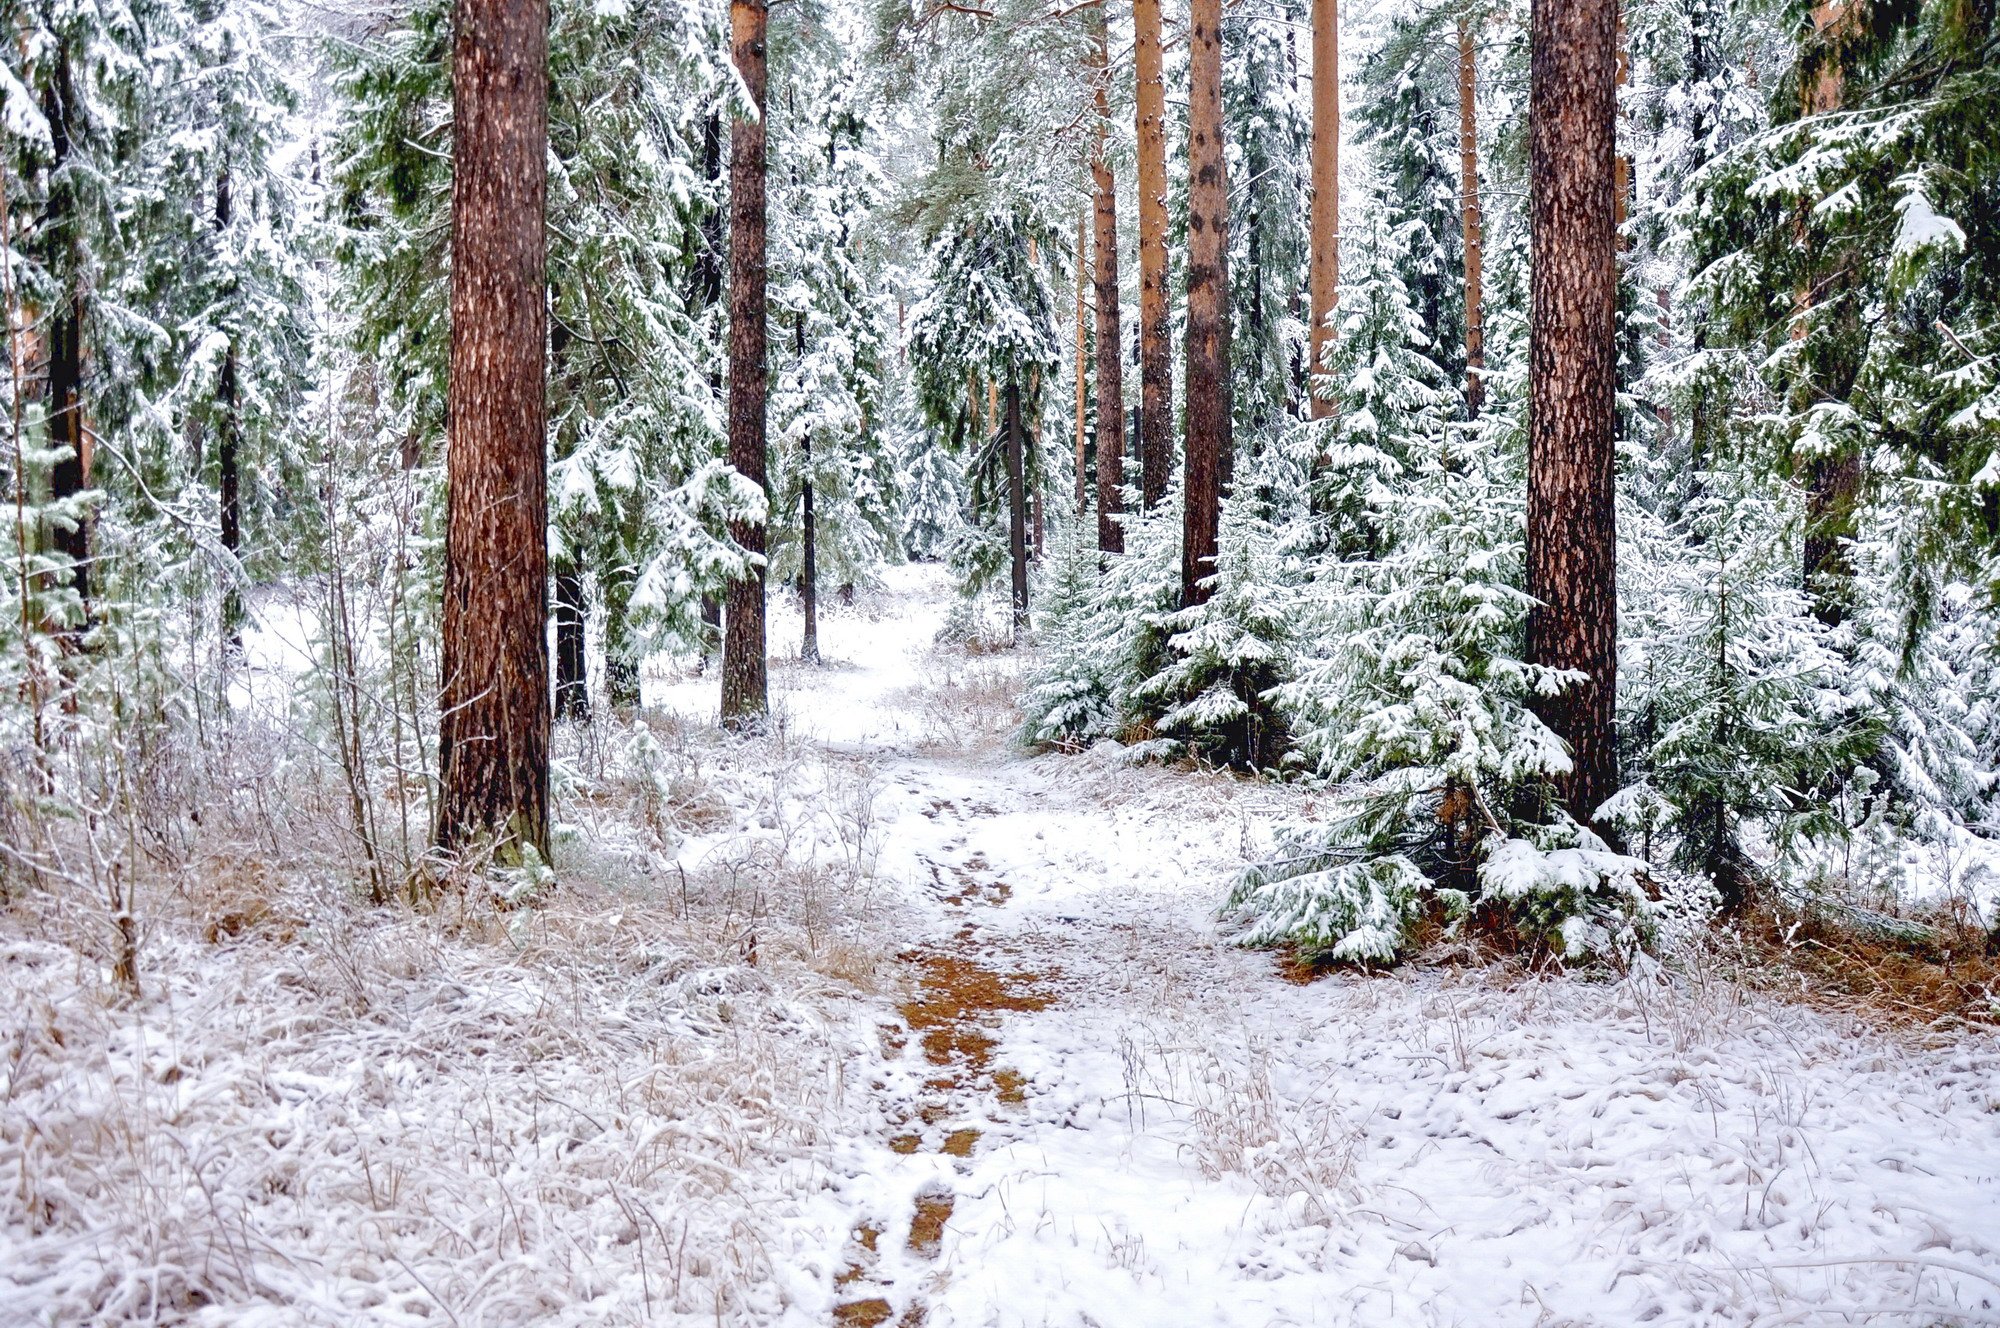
(1100, 1113)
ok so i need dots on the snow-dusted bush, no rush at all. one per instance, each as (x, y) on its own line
(1211, 694)
(1335, 900)
(1580, 900)
(1104, 633)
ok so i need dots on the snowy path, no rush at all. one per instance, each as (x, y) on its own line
(1101, 1115)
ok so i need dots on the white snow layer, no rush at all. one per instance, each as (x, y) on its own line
(601, 1116)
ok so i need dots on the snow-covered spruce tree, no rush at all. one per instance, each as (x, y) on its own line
(997, 90)
(985, 330)
(640, 495)
(1104, 635)
(1925, 633)
(1854, 245)
(1740, 728)
(76, 75)
(222, 271)
(1393, 400)
(1268, 126)
(1318, 496)
(1209, 696)
(1408, 118)
(830, 339)
(1408, 698)
(1849, 251)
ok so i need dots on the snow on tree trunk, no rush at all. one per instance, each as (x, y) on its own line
(743, 662)
(1572, 519)
(493, 738)
(1208, 394)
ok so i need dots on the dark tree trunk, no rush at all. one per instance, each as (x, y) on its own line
(711, 622)
(1473, 219)
(1325, 274)
(1156, 360)
(708, 261)
(228, 462)
(744, 686)
(1017, 506)
(1572, 372)
(1082, 365)
(1833, 482)
(1110, 347)
(493, 733)
(809, 564)
(63, 398)
(1208, 423)
(70, 475)
(1833, 500)
(572, 665)
(808, 529)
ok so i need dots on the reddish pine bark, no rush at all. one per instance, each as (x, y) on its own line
(1156, 361)
(1209, 439)
(493, 738)
(1572, 366)
(1473, 219)
(1110, 347)
(1325, 238)
(744, 695)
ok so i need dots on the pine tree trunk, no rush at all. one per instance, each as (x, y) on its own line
(711, 623)
(1208, 390)
(1082, 366)
(63, 396)
(572, 663)
(1833, 481)
(1325, 277)
(1572, 519)
(744, 695)
(808, 562)
(493, 733)
(1110, 345)
(1156, 363)
(1017, 507)
(708, 260)
(1473, 219)
(1621, 184)
(228, 462)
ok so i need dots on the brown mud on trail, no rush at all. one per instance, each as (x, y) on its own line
(957, 1002)
(953, 1012)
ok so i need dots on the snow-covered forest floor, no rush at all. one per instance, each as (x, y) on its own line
(877, 1020)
